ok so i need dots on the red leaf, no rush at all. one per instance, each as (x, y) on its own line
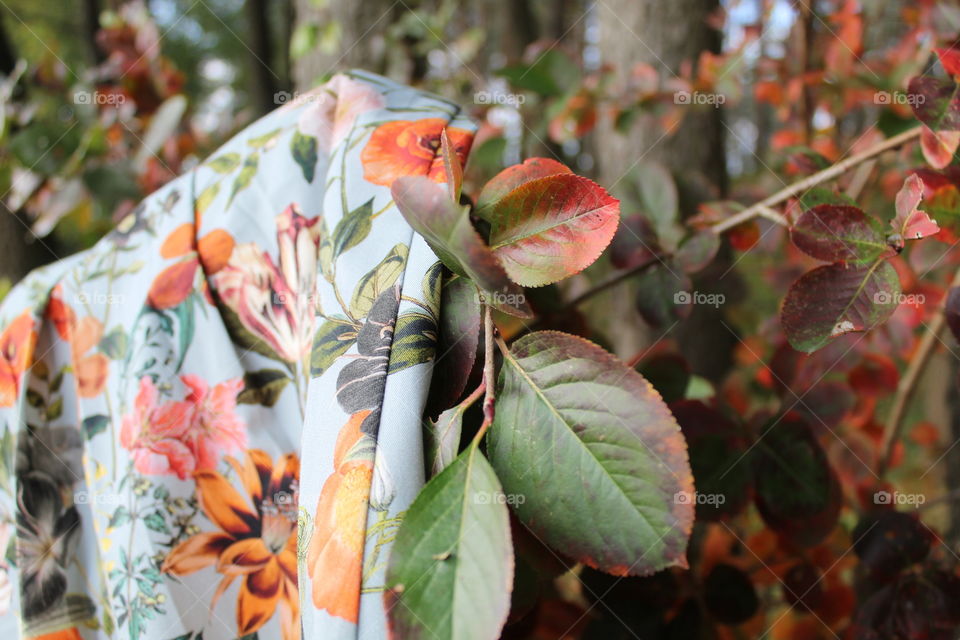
(910, 223)
(512, 177)
(939, 146)
(950, 59)
(550, 228)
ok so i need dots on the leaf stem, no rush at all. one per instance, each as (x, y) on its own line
(908, 383)
(489, 373)
(807, 183)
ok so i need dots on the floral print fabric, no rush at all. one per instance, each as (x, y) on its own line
(210, 421)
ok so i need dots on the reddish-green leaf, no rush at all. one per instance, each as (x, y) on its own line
(446, 227)
(551, 228)
(950, 59)
(910, 223)
(697, 251)
(512, 177)
(833, 232)
(935, 102)
(836, 299)
(585, 439)
(451, 166)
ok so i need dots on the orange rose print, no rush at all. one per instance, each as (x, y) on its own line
(335, 555)
(257, 540)
(16, 349)
(408, 148)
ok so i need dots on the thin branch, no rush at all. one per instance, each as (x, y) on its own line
(611, 281)
(908, 383)
(489, 373)
(807, 183)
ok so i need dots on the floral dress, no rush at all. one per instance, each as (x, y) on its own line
(210, 422)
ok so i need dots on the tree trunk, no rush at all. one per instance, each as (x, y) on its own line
(360, 44)
(665, 35)
(263, 80)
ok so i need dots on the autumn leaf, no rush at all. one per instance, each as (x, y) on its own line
(911, 223)
(834, 233)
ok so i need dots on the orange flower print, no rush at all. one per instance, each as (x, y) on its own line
(335, 555)
(16, 348)
(83, 334)
(410, 148)
(256, 540)
(174, 284)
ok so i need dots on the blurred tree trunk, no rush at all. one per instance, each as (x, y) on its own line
(360, 43)
(665, 35)
(20, 251)
(264, 81)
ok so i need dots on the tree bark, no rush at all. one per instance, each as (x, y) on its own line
(665, 35)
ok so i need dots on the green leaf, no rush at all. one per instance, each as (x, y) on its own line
(114, 344)
(304, 149)
(377, 280)
(92, 425)
(263, 387)
(243, 179)
(266, 141)
(442, 438)
(206, 197)
(451, 568)
(836, 299)
(120, 517)
(414, 341)
(352, 228)
(155, 522)
(225, 163)
(596, 454)
(330, 342)
(552, 73)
